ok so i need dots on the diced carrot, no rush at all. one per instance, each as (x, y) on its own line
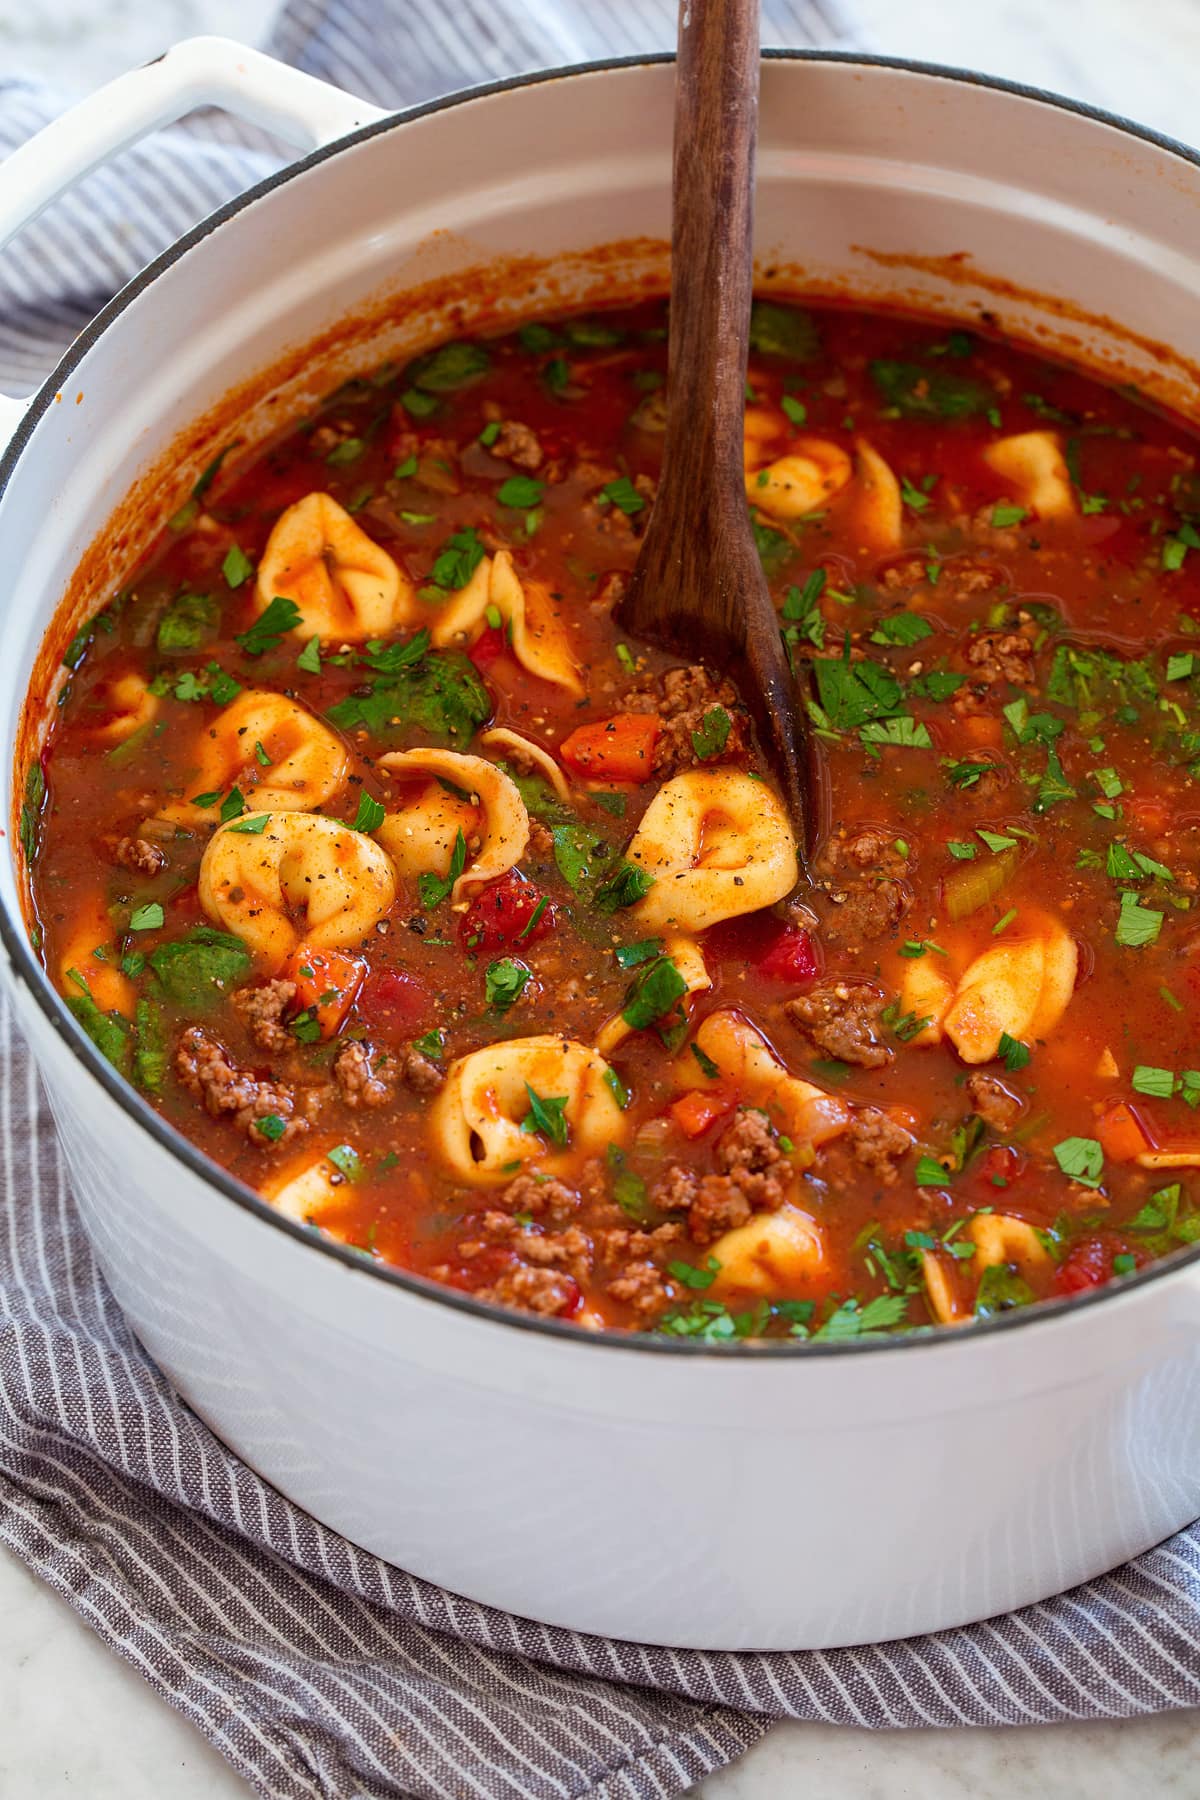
(327, 983)
(616, 749)
(696, 1111)
(1120, 1133)
(981, 731)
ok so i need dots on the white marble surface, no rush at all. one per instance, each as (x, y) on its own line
(110, 1739)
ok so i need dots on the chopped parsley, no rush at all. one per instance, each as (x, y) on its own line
(624, 887)
(458, 559)
(504, 983)
(520, 492)
(712, 735)
(1081, 1158)
(654, 993)
(1137, 925)
(903, 628)
(547, 1117)
(270, 628)
(370, 815)
(1015, 1054)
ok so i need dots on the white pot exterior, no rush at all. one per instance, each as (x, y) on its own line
(780, 1498)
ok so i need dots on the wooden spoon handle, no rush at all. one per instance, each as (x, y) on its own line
(712, 257)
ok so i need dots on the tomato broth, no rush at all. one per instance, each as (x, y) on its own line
(471, 933)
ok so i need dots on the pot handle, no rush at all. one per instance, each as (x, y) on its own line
(202, 71)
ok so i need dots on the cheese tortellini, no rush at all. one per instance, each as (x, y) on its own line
(718, 843)
(802, 481)
(1020, 986)
(129, 704)
(506, 743)
(311, 1190)
(812, 472)
(1034, 464)
(346, 586)
(298, 876)
(277, 754)
(770, 1251)
(877, 510)
(746, 1064)
(91, 931)
(422, 835)
(538, 640)
(477, 1123)
(998, 1238)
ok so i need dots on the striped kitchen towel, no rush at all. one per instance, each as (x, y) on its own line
(315, 1668)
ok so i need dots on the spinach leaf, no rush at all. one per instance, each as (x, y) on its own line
(108, 1031)
(918, 392)
(447, 368)
(777, 330)
(188, 620)
(653, 993)
(442, 696)
(196, 972)
(1082, 678)
(774, 549)
(625, 887)
(150, 1047)
(1000, 1289)
(578, 853)
(853, 692)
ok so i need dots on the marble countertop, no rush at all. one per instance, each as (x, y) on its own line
(116, 1741)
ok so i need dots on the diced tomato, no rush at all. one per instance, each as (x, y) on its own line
(616, 749)
(395, 1003)
(1097, 528)
(488, 646)
(1089, 1263)
(696, 1111)
(1121, 1133)
(761, 941)
(502, 915)
(791, 957)
(327, 984)
(574, 1300)
(1001, 1165)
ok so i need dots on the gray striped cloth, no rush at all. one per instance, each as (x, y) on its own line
(315, 1668)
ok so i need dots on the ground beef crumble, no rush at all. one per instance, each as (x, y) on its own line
(840, 1019)
(518, 444)
(878, 1143)
(140, 856)
(993, 1102)
(544, 1291)
(683, 698)
(997, 656)
(226, 1091)
(261, 1010)
(754, 1176)
(860, 868)
(359, 1083)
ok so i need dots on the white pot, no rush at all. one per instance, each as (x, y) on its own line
(775, 1497)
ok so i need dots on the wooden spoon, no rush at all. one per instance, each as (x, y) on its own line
(698, 588)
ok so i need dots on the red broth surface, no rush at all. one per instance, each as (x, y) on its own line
(636, 1075)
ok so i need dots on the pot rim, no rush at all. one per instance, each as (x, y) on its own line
(26, 968)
